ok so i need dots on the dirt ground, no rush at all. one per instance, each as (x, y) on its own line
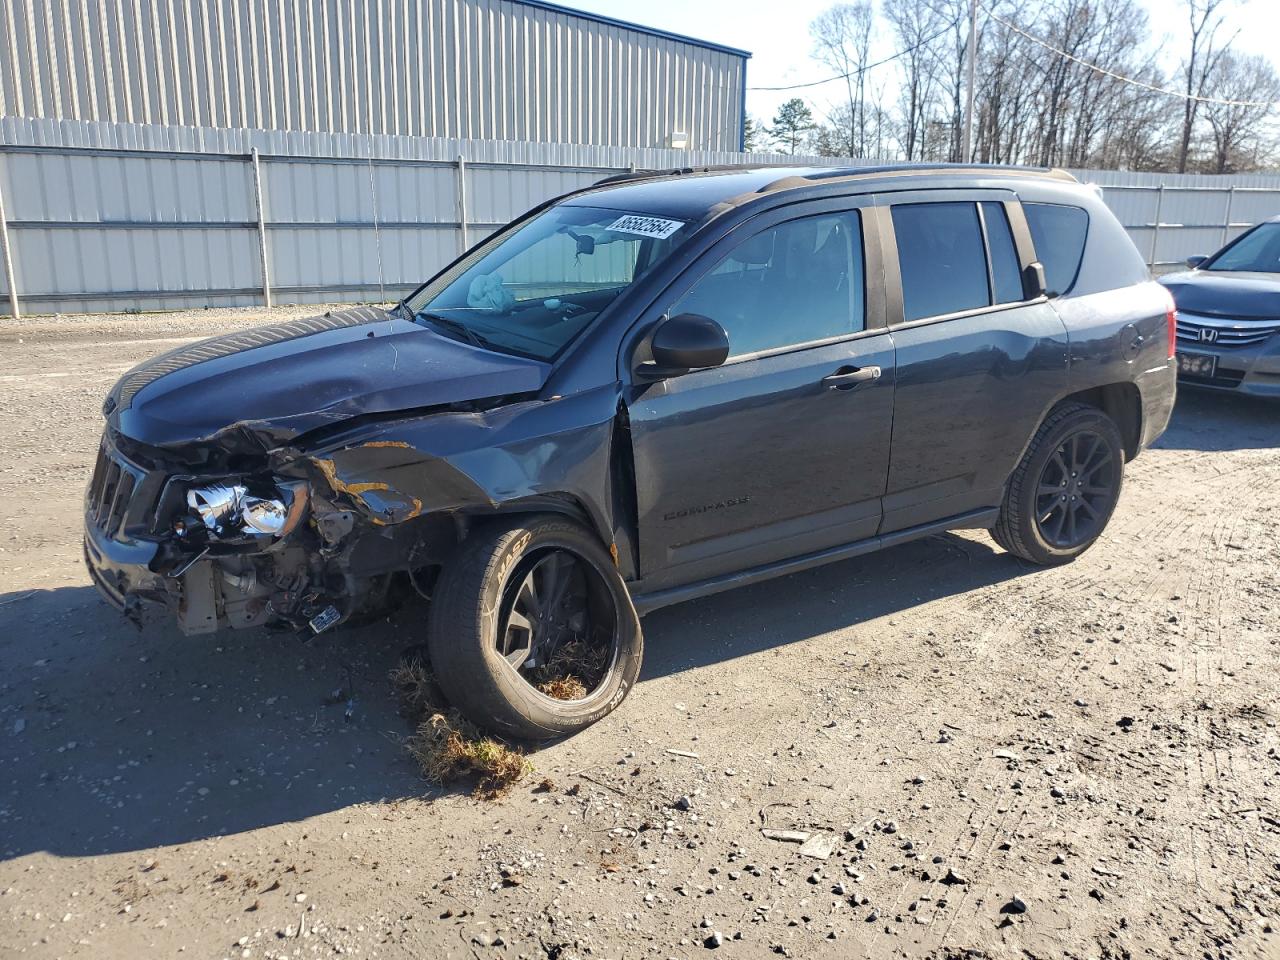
(1002, 761)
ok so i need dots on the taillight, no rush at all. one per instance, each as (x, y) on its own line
(1171, 317)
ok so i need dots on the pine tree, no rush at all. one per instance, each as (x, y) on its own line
(790, 124)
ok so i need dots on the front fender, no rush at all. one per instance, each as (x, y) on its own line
(393, 471)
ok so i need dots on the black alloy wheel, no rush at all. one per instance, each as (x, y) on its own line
(1063, 491)
(1077, 490)
(532, 632)
(556, 620)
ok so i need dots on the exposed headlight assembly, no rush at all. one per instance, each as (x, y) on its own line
(230, 511)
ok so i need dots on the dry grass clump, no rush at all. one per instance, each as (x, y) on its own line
(446, 745)
(416, 689)
(564, 688)
(574, 671)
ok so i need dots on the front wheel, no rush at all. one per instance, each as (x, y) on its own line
(532, 632)
(1065, 488)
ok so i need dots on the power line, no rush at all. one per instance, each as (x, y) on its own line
(1116, 76)
(870, 66)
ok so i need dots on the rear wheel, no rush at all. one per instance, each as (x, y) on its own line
(1065, 488)
(532, 632)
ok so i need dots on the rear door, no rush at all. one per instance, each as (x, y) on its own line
(784, 449)
(979, 362)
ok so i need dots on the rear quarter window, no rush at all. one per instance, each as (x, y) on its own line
(1058, 232)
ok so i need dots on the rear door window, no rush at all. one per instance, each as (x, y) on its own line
(941, 258)
(1058, 232)
(792, 284)
(1006, 275)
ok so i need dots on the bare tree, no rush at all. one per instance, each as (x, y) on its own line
(952, 59)
(842, 41)
(1239, 129)
(1205, 53)
(915, 26)
(1059, 82)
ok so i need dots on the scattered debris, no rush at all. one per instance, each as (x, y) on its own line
(688, 754)
(786, 836)
(819, 846)
(1015, 905)
(953, 878)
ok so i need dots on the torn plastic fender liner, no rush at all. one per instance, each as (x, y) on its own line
(397, 470)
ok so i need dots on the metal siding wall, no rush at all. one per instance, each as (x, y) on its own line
(166, 216)
(472, 69)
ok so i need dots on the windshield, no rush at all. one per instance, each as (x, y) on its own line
(543, 283)
(1258, 251)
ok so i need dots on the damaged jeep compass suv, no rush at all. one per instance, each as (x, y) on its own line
(653, 389)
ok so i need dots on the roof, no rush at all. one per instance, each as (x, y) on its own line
(690, 193)
(635, 27)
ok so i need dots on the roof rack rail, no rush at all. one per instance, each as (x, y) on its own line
(875, 171)
(678, 172)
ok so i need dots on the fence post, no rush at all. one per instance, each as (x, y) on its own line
(1155, 232)
(462, 202)
(1226, 224)
(7, 252)
(262, 227)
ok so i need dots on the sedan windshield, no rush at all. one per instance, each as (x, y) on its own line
(538, 287)
(1258, 251)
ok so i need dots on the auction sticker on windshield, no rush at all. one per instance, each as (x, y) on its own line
(654, 227)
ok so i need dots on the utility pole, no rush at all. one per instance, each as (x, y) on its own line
(967, 140)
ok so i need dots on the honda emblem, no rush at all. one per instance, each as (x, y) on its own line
(1208, 335)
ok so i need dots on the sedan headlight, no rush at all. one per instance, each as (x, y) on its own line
(228, 511)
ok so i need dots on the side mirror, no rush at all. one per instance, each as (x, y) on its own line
(1033, 282)
(686, 342)
(1194, 262)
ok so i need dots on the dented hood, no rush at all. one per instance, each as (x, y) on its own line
(275, 383)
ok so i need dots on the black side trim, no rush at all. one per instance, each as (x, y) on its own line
(973, 519)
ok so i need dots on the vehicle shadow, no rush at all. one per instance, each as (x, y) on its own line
(801, 606)
(1210, 421)
(118, 739)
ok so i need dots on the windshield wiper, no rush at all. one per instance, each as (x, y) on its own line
(454, 326)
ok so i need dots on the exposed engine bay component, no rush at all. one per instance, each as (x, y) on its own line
(231, 511)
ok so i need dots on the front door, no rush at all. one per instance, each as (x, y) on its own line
(784, 449)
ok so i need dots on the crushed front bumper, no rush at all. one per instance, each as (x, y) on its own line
(122, 570)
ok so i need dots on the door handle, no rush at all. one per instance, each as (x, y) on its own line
(846, 378)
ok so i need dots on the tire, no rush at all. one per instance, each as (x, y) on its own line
(474, 599)
(1052, 513)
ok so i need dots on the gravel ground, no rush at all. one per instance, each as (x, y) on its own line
(996, 760)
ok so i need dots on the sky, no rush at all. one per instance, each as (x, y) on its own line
(777, 35)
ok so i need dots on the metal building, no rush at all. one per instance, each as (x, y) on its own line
(520, 70)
